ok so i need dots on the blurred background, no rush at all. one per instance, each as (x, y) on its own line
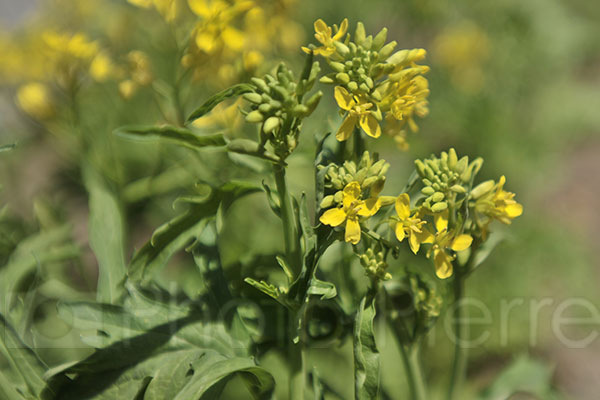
(517, 83)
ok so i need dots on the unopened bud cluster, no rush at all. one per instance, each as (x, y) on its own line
(374, 264)
(444, 177)
(276, 103)
(369, 173)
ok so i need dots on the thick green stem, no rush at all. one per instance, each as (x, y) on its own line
(459, 364)
(290, 230)
(414, 374)
(297, 376)
(419, 381)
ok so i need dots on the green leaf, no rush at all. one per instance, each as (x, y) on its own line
(31, 253)
(207, 374)
(156, 348)
(8, 390)
(523, 375)
(324, 289)
(106, 237)
(181, 136)
(251, 148)
(366, 355)
(7, 147)
(174, 235)
(23, 361)
(209, 104)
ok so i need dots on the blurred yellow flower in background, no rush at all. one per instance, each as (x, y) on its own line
(463, 50)
(34, 98)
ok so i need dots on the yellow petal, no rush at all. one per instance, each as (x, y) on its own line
(369, 207)
(413, 241)
(443, 264)
(424, 236)
(403, 206)
(233, 38)
(400, 234)
(333, 217)
(370, 125)
(320, 26)
(342, 31)
(352, 230)
(343, 98)
(441, 221)
(198, 7)
(351, 193)
(346, 128)
(514, 210)
(461, 242)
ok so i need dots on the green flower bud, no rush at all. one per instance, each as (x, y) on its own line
(271, 124)
(380, 39)
(326, 79)
(482, 189)
(342, 77)
(437, 197)
(458, 189)
(352, 86)
(265, 108)
(261, 84)
(377, 167)
(462, 164)
(438, 207)
(452, 158)
(336, 66)
(341, 48)
(427, 191)
(254, 116)
(252, 98)
(386, 50)
(359, 33)
(338, 196)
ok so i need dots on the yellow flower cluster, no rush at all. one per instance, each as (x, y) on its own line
(373, 86)
(232, 36)
(353, 207)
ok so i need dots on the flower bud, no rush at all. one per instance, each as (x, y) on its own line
(253, 98)
(271, 124)
(438, 207)
(254, 116)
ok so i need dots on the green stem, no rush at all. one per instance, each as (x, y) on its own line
(297, 376)
(290, 231)
(412, 367)
(419, 381)
(460, 328)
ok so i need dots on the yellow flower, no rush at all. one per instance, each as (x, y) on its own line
(167, 8)
(101, 67)
(34, 99)
(442, 241)
(215, 30)
(408, 225)
(352, 208)
(410, 99)
(324, 34)
(358, 112)
(493, 201)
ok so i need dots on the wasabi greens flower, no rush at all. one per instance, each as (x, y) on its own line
(443, 241)
(358, 113)
(407, 225)
(351, 209)
(324, 34)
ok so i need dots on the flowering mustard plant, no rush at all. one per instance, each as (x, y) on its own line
(413, 244)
